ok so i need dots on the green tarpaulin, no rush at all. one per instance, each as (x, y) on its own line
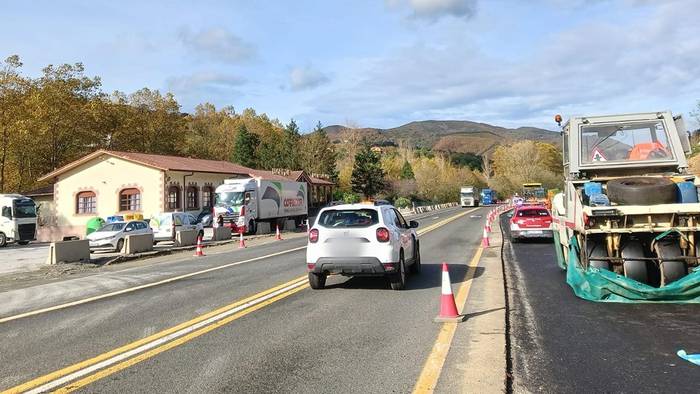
(93, 225)
(601, 285)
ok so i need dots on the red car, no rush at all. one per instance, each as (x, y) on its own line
(529, 221)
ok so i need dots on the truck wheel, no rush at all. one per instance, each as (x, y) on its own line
(317, 281)
(634, 269)
(672, 270)
(398, 280)
(598, 250)
(3, 240)
(642, 191)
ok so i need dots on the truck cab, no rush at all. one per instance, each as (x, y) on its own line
(17, 219)
(469, 196)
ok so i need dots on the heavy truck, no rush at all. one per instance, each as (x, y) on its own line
(17, 219)
(629, 206)
(468, 196)
(244, 203)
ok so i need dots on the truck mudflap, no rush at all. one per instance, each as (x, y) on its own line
(601, 285)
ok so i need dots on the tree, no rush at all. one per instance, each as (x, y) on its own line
(367, 173)
(13, 89)
(244, 147)
(407, 171)
(318, 153)
(290, 145)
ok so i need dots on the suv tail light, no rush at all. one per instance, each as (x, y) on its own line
(313, 235)
(382, 234)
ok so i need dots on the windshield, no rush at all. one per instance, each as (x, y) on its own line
(470, 194)
(112, 227)
(348, 218)
(227, 199)
(536, 192)
(625, 142)
(25, 209)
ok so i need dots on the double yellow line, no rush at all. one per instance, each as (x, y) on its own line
(83, 373)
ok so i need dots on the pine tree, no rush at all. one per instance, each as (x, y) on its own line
(290, 145)
(407, 171)
(244, 147)
(367, 173)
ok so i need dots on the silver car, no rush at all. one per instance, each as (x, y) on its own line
(366, 239)
(112, 236)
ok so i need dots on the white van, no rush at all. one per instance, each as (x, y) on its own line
(166, 225)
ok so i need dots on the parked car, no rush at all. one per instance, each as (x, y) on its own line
(166, 225)
(365, 239)
(205, 217)
(530, 221)
(112, 236)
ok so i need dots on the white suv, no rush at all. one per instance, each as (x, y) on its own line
(367, 239)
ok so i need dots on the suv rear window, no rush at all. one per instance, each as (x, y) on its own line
(532, 213)
(348, 218)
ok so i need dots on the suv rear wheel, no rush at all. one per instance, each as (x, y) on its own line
(398, 280)
(416, 267)
(317, 281)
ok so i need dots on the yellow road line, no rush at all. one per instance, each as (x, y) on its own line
(144, 286)
(436, 359)
(131, 346)
(41, 383)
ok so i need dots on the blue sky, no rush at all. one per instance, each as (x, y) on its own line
(374, 63)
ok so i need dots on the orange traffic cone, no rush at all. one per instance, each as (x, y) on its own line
(199, 252)
(485, 239)
(488, 226)
(448, 307)
(241, 243)
(278, 236)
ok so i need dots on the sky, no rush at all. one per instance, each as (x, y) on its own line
(378, 63)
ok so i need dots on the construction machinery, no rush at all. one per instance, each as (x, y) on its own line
(629, 209)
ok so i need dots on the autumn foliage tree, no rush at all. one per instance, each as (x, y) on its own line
(524, 162)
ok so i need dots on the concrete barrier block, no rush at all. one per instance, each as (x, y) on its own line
(263, 228)
(222, 233)
(69, 252)
(289, 225)
(136, 243)
(186, 237)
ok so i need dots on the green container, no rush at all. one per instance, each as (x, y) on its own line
(93, 225)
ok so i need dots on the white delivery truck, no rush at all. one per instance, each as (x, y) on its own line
(243, 203)
(469, 196)
(17, 219)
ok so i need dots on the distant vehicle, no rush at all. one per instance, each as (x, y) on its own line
(469, 196)
(17, 220)
(530, 222)
(488, 196)
(243, 203)
(362, 239)
(534, 192)
(166, 225)
(112, 236)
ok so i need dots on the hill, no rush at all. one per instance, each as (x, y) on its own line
(446, 135)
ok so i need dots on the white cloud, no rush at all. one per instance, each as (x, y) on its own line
(433, 10)
(642, 64)
(304, 78)
(218, 44)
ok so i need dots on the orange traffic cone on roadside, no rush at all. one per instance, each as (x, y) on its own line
(488, 226)
(199, 252)
(278, 236)
(241, 242)
(448, 307)
(485, 239)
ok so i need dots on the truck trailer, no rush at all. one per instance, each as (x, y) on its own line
(243, 203)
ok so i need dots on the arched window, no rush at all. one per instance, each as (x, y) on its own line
(192, 197)
(173, 198)
(130, 200)
(86, 203)
(207, 197)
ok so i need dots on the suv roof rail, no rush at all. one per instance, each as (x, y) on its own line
(381, 202)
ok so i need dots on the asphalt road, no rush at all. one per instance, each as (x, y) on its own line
(563, 344)
(355, 336)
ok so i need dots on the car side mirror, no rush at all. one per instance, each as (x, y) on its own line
(412, 224)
